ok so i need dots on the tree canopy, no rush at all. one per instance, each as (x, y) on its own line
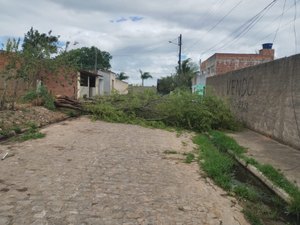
(40, 45)
(122, 76)
(182, 79)
(85, 58)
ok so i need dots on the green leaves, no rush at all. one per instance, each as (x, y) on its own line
(122, 76)
(181, 110)
(181, 80)
(40, 45)
(85, 58)
(145, 76)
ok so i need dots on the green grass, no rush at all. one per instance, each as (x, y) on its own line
(252, 217)
(31, 133)
(225, 143)
(189, 157)
(220, 166)
(217, 165)
(245, 192)
(17, 129)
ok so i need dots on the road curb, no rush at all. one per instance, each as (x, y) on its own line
(252, 169)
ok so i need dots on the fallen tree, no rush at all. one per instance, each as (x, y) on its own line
(63, 101)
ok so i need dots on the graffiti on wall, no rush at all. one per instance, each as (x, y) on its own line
(240, 105)
(240, 86)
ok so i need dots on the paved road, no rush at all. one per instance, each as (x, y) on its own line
(87, 172)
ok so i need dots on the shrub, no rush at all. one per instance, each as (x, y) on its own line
(42, 95)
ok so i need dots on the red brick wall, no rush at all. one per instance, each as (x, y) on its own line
(3, 60)
(230, 62)
(62, 84)
(221, 63)
(22, 86)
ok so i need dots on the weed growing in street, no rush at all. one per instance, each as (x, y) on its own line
(189, 157)
(31, 133)
(170, 152)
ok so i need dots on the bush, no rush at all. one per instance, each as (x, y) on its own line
(40, 95)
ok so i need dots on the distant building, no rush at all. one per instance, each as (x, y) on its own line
(101, 83)
(198, 84)
(89, 84)
(221, 63)
(111, 83)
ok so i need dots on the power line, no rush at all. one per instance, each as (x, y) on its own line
(216, 24)
(243, 29)
(295, 18)
(279, 28)
(269, 35)
(283, 9)
(249, 26)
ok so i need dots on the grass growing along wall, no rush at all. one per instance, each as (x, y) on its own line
(218, 166)
(225, 143)
(221, 167)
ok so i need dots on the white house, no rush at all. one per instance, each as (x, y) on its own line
(111, 83)
(101, 83)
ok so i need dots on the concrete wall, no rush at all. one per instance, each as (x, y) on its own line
(107, 82)
(121, 87)
(266, 97)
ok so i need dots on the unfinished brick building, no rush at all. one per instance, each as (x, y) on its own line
(221, 63)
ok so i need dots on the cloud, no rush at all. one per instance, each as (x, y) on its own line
(120, 27)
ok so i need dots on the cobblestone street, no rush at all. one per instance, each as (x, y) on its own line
(85, 173)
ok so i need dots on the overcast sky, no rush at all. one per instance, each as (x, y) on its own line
(137, 32)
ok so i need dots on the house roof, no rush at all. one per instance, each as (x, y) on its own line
(87, 73)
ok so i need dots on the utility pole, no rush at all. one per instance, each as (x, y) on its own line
(179, 43)
(179, 55)
(95, 60)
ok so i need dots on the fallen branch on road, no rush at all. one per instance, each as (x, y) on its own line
(66, 102)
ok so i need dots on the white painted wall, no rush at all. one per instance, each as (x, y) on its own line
(121, 87)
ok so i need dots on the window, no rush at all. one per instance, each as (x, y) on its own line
(92, 81)
(83, 80)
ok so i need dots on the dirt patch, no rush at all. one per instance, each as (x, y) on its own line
(19, 119)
